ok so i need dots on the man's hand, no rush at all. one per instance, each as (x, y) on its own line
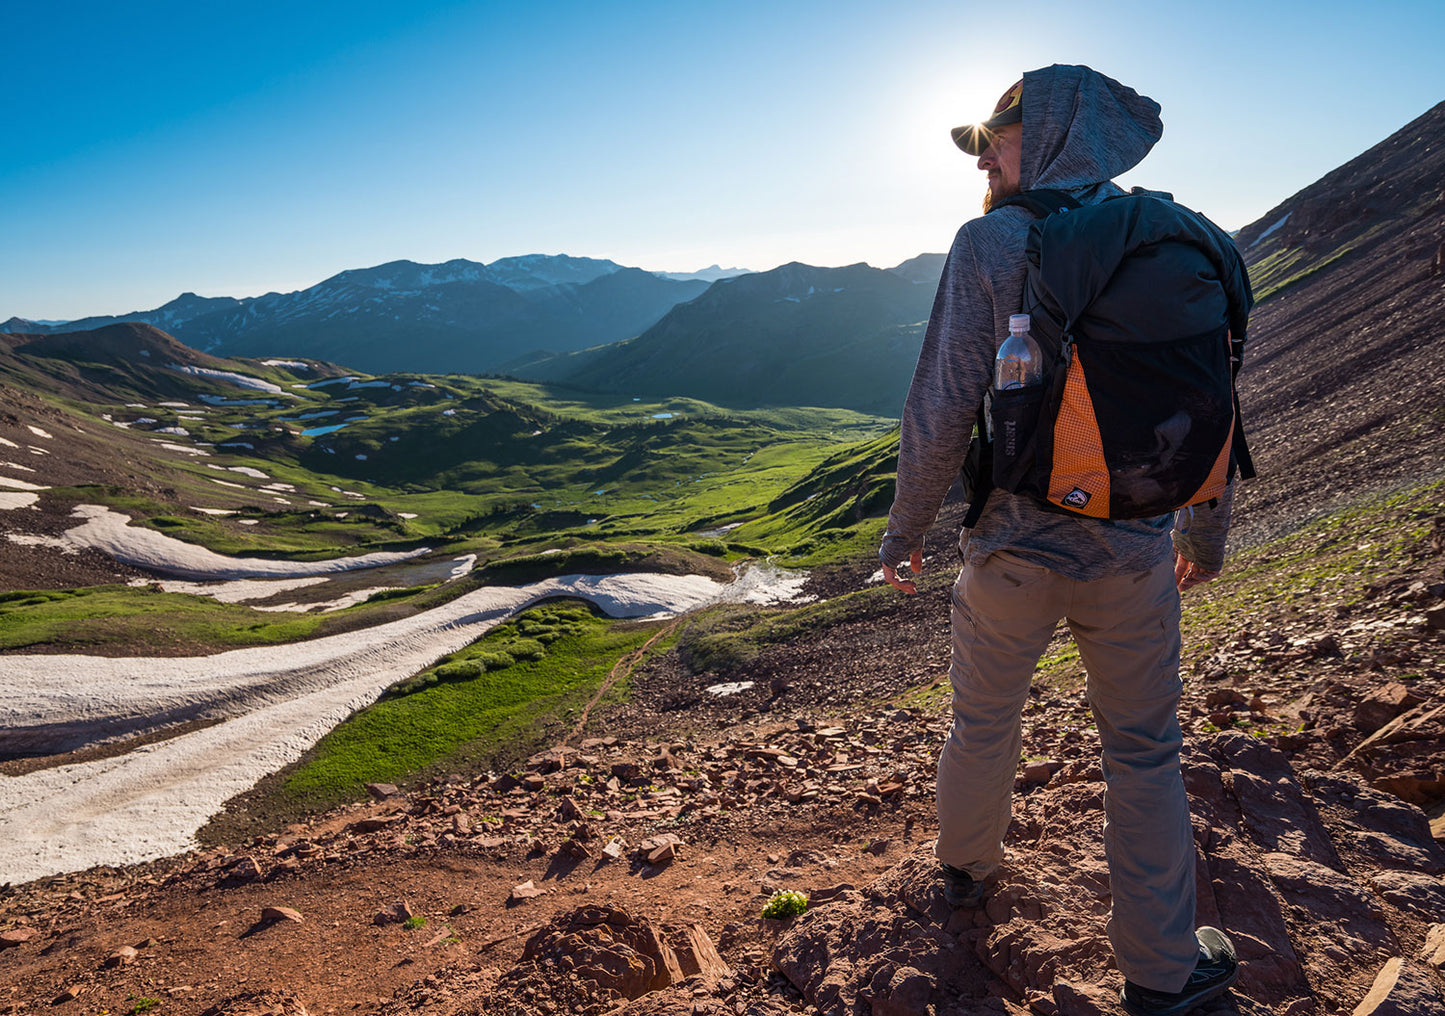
(1188, 574)
(915, 564)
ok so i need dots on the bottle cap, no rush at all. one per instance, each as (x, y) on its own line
(1018, 322)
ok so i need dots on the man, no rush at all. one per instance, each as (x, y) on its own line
(1116, 582)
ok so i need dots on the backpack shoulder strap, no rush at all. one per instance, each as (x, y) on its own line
(978, 469)
(1042, 203)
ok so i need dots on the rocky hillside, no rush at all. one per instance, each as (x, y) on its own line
(1341, 389)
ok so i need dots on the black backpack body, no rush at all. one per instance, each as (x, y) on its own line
(1140, 308)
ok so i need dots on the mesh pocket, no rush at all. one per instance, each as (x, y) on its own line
(1015, 416)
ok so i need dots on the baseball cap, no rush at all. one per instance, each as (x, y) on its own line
(974, 138)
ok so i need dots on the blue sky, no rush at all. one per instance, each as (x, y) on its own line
(231, 149)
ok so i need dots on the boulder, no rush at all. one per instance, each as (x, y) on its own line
(1433, 951)
(1401, 988)
(1413, 892)
(590, 959)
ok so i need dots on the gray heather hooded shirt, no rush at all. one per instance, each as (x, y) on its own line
(1080, 128)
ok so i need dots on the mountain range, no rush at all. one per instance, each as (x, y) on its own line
(460, 316)
(797, 335)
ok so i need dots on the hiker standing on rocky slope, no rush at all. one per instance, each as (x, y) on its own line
(1117, 583)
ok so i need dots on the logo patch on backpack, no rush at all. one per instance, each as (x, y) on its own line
(1076, 498)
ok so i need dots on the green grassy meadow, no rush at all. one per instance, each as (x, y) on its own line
(484, 703)
(534, 480)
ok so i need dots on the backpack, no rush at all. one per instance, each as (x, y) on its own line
(1140, 308)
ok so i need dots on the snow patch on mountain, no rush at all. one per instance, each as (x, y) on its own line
(240, 380)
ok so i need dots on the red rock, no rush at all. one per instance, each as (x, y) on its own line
(1038, 772)
(1401, 988)
(246, 869)
(123, 956)
(69, 994)
(397, 913)
(1383, 705)
(525, 891)
(271, 914)
(650, 844)
(1433, 951)
(14, 937)
(382, 790)
(374, 823)
(696, 953)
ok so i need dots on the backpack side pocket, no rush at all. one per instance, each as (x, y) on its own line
(1015, 416)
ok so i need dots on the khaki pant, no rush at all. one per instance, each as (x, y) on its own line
(1127, 629)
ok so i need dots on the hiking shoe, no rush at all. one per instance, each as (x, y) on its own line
(1214, 971)
(960, 889)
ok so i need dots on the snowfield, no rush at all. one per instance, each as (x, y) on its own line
(267, 705)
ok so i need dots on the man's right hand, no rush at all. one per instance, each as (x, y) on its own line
(915, 564)
(1187, 574)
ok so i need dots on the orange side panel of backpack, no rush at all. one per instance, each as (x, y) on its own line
(1218, 476)
(1080, 477)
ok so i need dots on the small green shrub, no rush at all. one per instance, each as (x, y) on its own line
(414, 922)
(527, 649)
(494, 661)
(785, 903)
(464, 671)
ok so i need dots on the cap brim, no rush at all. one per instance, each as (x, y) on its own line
(974, 138)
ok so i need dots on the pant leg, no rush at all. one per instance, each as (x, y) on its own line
(1127, 629)
(1004, 613)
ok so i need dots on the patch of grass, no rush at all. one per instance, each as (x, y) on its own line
(79, 619)
(729, 638)
(462, 722)
(1332, 559)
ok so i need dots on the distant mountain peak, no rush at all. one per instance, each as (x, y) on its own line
(539, 271)
(712, 273)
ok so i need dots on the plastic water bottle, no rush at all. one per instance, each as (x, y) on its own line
(1019, 363)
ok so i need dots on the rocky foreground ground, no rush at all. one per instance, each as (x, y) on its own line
(625, 870)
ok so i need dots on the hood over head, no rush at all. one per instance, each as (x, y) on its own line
(1081, 128)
